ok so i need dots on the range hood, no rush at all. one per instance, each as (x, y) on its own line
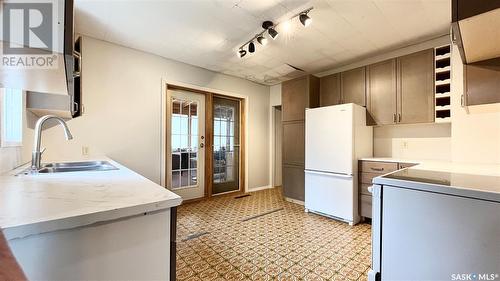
(476, 29)
(51, 88)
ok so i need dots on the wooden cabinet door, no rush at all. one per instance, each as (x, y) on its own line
(353, 86)
(416, 88)
(329, 93)
(294, 182)
(294, 99)
(381, 93)
(482, 82)
(294, 143)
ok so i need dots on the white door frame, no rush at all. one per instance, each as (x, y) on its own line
(164, 122)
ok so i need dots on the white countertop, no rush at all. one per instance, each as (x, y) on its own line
(444, 166)
(463, 179)
(34, 204)
(392, 160)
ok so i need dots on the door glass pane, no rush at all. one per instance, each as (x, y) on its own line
(184, 143)
(226, 145)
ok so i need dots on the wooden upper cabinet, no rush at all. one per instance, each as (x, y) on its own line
(416, 88)
(353, 86)
(330, 90)
(482, 82)
(297, 95)
(382, 92)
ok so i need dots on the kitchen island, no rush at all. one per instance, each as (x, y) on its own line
(91, 225)
(436, 221)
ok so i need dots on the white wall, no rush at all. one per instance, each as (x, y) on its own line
(122, 91)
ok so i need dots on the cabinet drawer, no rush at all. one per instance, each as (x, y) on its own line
(406, 165)
(366, 178)
(378, 167)
(365, 206)
(363, 189)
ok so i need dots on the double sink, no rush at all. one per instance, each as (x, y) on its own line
(83, 166)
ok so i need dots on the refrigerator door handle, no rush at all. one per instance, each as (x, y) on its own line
(328, 174)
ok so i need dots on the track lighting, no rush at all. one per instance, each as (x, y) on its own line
(305, 19)
(262, 40)
(273, 33)
(270, 28)
(251, 47)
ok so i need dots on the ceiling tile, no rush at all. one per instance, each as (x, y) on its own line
(207, 33)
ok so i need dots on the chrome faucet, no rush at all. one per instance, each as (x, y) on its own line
(36, 156)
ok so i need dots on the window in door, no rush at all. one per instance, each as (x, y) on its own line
(184, 143)
(226, 145)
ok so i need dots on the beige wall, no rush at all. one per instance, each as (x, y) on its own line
(475, 130)
(10, 157)
(122, 91)
(416, 141)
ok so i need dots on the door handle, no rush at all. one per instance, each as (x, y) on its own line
(328, 174)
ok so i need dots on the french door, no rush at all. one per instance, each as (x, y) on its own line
(186, 144)
(226, 145)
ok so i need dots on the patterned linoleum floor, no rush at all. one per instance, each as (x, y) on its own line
(287, 244)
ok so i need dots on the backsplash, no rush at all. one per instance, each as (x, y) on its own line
(419, 141)
(10, 157)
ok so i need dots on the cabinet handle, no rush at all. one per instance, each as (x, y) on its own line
(377, 169)
(394, 118)
(399, 117)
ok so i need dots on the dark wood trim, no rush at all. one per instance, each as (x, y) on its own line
(173, 243)
(242, 144)
(9, 267)
(462, 9)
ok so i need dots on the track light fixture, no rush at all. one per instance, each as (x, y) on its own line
(270, 28)
(262, 40)
(251, 47)
(273, 33)
(305, 19)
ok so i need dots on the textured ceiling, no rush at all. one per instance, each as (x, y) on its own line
(207, 33)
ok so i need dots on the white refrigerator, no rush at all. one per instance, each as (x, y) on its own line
(336, 137)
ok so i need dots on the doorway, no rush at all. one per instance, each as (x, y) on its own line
(186, 144)
(277, 146)
(203, 142)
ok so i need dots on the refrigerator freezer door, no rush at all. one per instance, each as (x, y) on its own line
(329, 139)
(330, 194)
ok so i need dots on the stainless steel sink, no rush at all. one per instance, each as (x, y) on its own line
(73, 167)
